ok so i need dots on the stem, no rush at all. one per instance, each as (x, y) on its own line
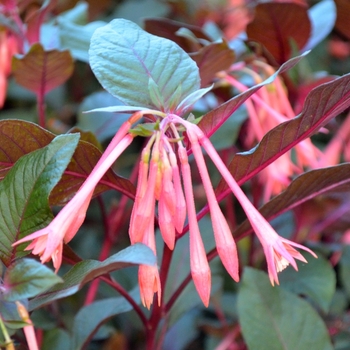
(127, 296)
(41, 108)
(106, 247)
(8, 341)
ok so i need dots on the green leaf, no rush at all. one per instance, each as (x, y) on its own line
(87, 270)
(344, 265)
(191, 99)
(277, 318)
(18, 138)
(56, 339)
(75, 33)
(24, 193)
(26, 278)
(124, 58)
(316, 279)
(41, 71)
(85, 326)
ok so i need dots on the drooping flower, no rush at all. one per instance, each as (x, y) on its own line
(279, 251)
(48, 242)
(268, 108)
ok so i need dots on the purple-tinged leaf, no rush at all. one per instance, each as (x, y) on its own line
(342, 22)
(87, 270)
(124, 57)
(214, 119)
(18, 138)
(322, 104)
(275, 24)
(211, 59)
(26, 278)
(41, 71)
(168, 29)
(305, 187)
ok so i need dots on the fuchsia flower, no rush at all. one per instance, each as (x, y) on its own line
(48, 242)
(159, 191)
(268, 108)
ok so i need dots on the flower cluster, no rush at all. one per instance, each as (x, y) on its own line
(268, 108)
(165, 190)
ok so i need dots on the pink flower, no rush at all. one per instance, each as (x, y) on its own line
(149, 280)
(48, 242)
(279, 251)
(225, 243)
(8, 47)
(200, 269)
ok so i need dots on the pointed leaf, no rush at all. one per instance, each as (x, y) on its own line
(24, 192)
(322, 104)
(87, 270)
(20, 137)
(41, 71)
(119, 109)
(277, 318)
(215, 118)
(191, 99)
(85, 326)
(26, 278)
(168, 29)
(124, 57)
(305, 187)
(275, 24)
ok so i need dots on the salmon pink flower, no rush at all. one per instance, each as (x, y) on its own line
(149, 280)
(8, 48)
(199, 263)
(48, 242)
(268, 108)
(279, 251)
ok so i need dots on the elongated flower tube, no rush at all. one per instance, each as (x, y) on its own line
(48, 242)
(199, 263)
(225, 243)
(149, 280)
(180, 217)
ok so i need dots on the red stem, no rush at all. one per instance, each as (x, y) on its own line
(127, 296)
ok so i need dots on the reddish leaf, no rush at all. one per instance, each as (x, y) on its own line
(322, 104)
(167, 28)
(212, 121)
(211, 59)
(36, 19)
(342, 22)
(18, 138)
(41, 71)
(275, 24)
(302, 189)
